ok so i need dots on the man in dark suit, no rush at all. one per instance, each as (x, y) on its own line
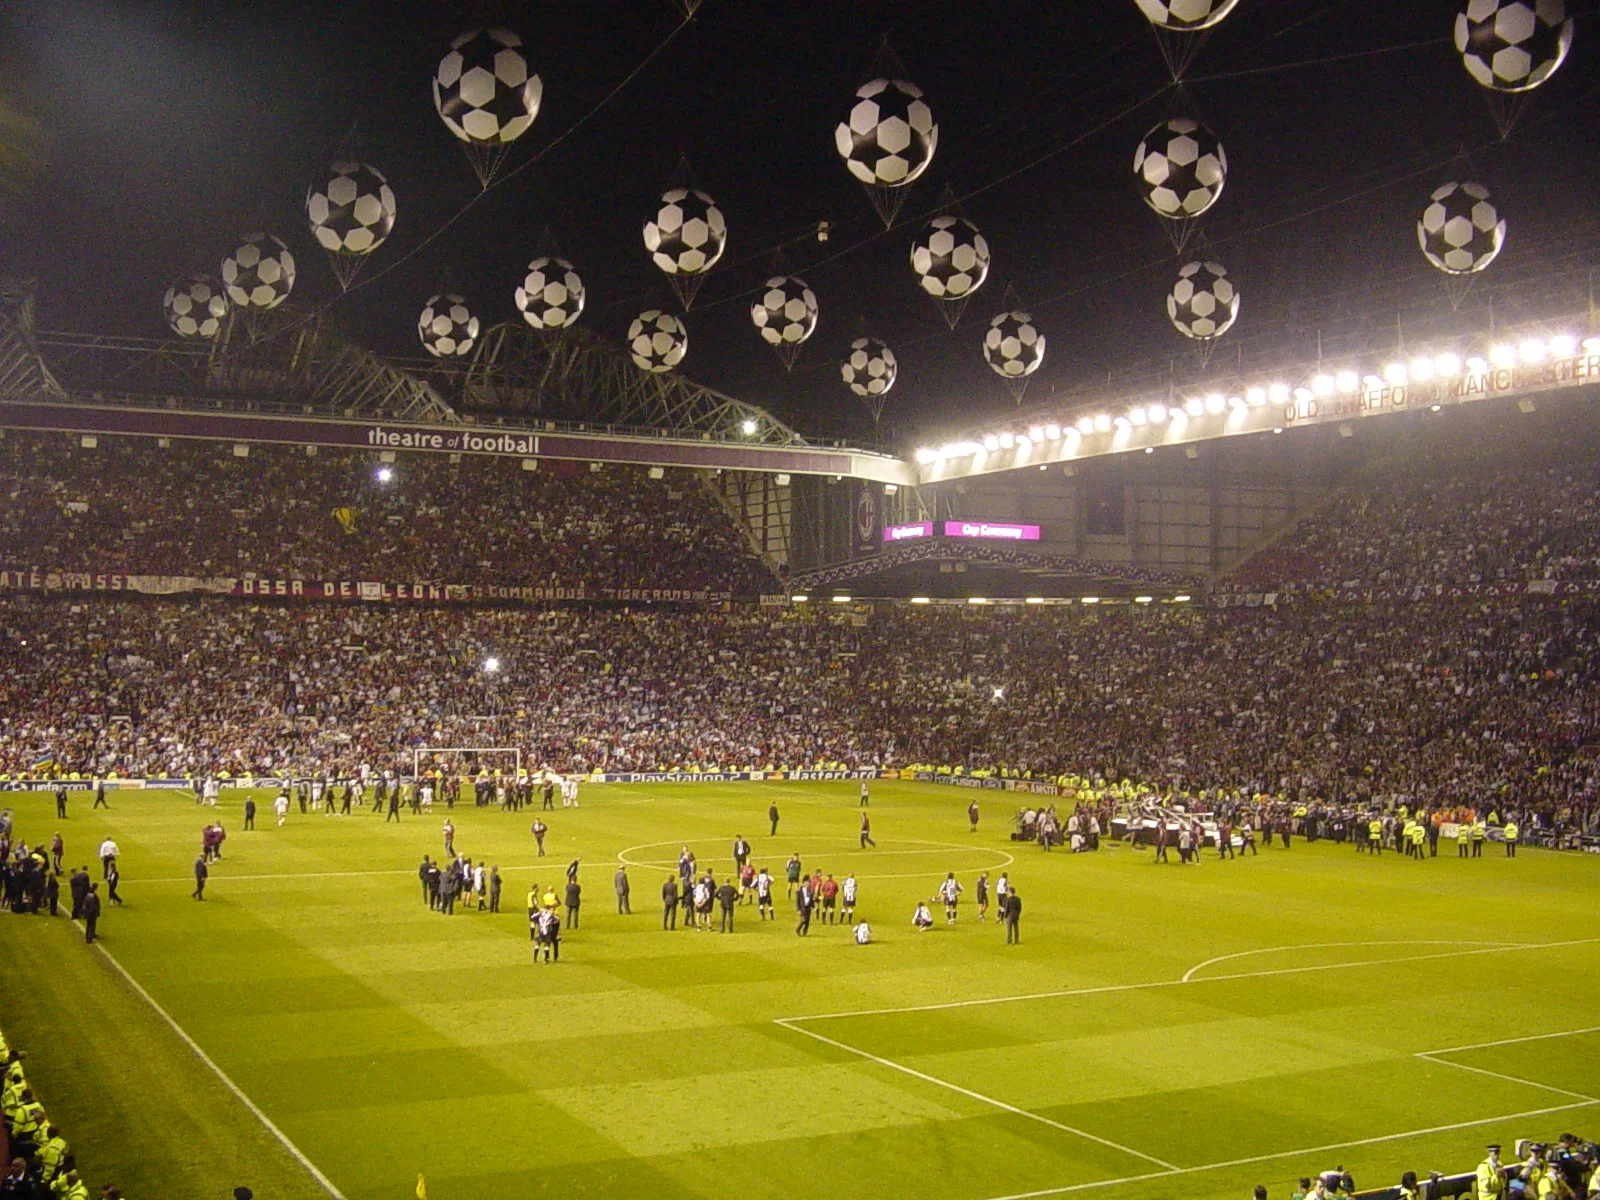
(621, 884)
(61, 801)
(78, 887)
(772, 815)
(1013, 917)
(804, 901)
(574, 896)
(249, 813)
(669, 903)
(91, 912)
(100, 794)
(201, 872)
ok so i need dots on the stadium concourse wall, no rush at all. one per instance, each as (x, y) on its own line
(1034, 787)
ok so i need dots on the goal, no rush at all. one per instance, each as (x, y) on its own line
(465, 760)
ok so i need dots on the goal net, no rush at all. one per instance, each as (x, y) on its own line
(467, 761)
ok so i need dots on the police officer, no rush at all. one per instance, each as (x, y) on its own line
(1510, 830)
(1491, 1176)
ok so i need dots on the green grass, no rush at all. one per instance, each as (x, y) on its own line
(385, 1040)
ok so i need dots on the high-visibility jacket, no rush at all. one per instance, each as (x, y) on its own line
(1491, 1182)
(67, 1188)
(29, 1120)
(50, 1155)
(1511, 831)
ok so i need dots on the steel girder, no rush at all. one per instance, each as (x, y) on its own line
(575, 375)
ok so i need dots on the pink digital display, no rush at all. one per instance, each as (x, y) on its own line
(992, 530)
(900, 533)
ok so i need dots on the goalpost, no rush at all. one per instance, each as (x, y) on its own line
(422, 754)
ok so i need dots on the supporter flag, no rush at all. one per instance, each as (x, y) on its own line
(864, 519)
(47, 759)
(346, 518)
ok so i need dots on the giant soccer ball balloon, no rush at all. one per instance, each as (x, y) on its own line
(688, 233)
(195, 307)
(1461, 231)
(888, 137)
(950, 257)
(259, 274)
(351, 211)
(657, 341)
(1185, 16)
(1013, 346)
(1203, 302)
(1513, 45)
(447, 327)
(1181, 167)
(550, 295)
(785, 313)
(870, 367)
(483, 89)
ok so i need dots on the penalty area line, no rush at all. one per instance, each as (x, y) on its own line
(323, 1181)
(1169, 1168)
(1303, 1152)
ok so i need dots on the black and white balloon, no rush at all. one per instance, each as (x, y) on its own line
(1512, 45)
(888, 137)
(259, 274)
(447, 327)
(352, 210)
(1461, 231)
(1185, 16)
(870, 367)
(1204, 302)
(657, 341)
(950, 257)
(785, 313)
(1013, 346)
(483, 89)
(195, 307)
(1181, 168)
(688, 233)
(550, 295)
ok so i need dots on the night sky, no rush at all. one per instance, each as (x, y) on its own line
(165, 130)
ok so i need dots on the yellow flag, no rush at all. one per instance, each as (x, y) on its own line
(422, 1188)
(346, 518)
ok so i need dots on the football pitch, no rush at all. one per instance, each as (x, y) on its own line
(1161, 1031)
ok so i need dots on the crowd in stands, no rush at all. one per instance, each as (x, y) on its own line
(1458, 702)
(40, 1165)
(129, 505)
(1406, 525)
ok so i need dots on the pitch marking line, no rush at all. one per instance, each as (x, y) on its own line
(1303, 1152)
(1537, 1037)
(322, 1180)
(1001, 1104)
(624, 856)
(794, 1024)
(1163, 983)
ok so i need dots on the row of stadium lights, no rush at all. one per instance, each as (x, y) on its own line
(802, 598)
(1396, 374)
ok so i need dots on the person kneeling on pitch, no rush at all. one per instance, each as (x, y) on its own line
(922, 919)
